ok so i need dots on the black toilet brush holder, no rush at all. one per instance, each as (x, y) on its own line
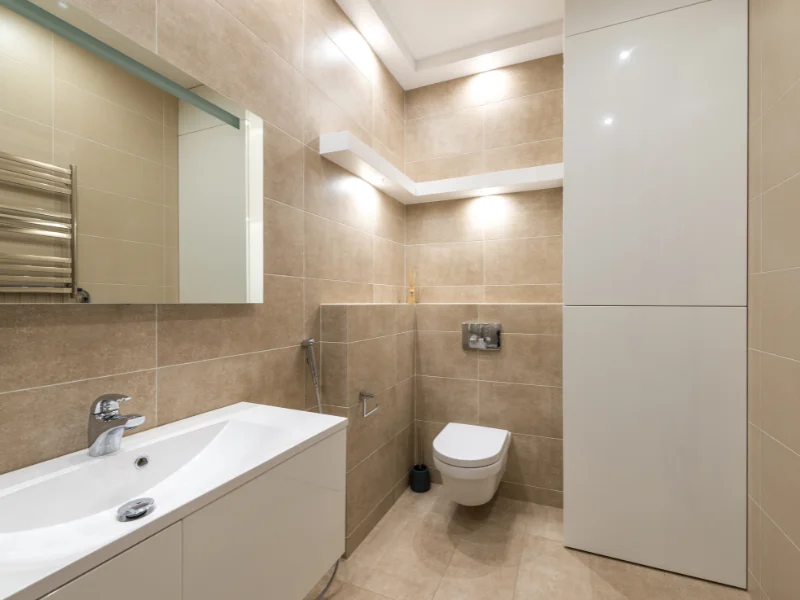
(419, 479)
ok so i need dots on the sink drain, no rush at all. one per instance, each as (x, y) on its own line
(135, 509)
(141, 462)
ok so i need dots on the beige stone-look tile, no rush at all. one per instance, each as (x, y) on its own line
(333, 319)
(522, 318)
(278, 22)
(526, 261)
(780, 53)
(754, 591)
(440, 354)
(388, 294)
(405, 318)
(755, 55)
(112, 216)
(546, 522)
(337, 252)
(341, 591)
(536, 461)
(25, 41)
(445, 318)
(523, 79)
(367, 543)
(104, 293)
(521, 156)
(446, 264)
(389, 262)
(446, 400)
(780, 564)
(284, 239)
(366, 434)
(779, 393)
(427, 432)
(323, 115)
(754, 311)
(390, 221)
(105, 260)
(780, 319)
(368, 483)
(135, 19)
(371, 367)
(388, 90)
(528, 409)
(206, 41)
(449, 294)
(389, 129)
(779, 240)
(445, 135)
(533, 359)
(332, 360)
(548, 571)
(755, 396)
(368, 321)
(547, 293)
(780, 486)
(321, 291)
(405, 355)
(754, 462)
(26, 92)
(383, 150)
(170, 145)
(65, 429)
(446, 167)
(523, 120)
(283, 167)
(331, 71)
(441, 98)
(450, 221)
(754, 251)
(112, 339)
(754, 517)
(88, 71)
(755, 159)
(27, 138)
(523, 215)
(529, 493)
(781, 145)
(617, 580)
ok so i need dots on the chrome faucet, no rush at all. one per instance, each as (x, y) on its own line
(106, 425)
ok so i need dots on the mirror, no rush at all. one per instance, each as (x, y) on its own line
(122, 179)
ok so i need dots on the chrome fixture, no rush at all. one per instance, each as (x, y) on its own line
(106, 425)
(142, 461)
(312, 363)
(364, 397)
(481, 336)
(135, 509)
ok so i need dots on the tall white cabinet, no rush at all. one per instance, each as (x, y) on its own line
(655, 292)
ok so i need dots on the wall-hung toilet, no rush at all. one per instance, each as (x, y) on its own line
(472, 461)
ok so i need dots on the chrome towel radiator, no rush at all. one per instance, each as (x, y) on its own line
(34, 273)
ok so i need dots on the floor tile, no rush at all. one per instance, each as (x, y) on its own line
(548, 571)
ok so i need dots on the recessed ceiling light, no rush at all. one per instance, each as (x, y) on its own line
(608, 121)
(62, 4)
(625, 55)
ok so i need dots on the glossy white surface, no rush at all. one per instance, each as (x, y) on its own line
(463, 445)
(655, 148)
(58, 518)
(585, 15)
(350, 153)
(655, 444)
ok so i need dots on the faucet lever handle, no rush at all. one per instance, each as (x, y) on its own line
(108, 404)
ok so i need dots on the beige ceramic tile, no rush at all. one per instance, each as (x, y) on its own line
(441, 98)
(755, 159)
(333, 318)
(529, 493)
(284, 239)
(388, 294)
(546, 522)
(754, 517)
(521, 318)
(388, 91)
(781, 50)
(754, 463)
(548, 571)
(779, 380)
(532, 359)
(369, 321)
(524, 293)
(368, 483)
(440, 354)
(528, 409)
(780, 564)
(445, 135)
(337, 252)
(25, 41)
(755, 54)
(106, 293)
(781, 209)
(65, 430)
(405, 318)
(135, 19)
(776, 388)
(405, 355)
(389, 263)
(536, 461)
(523, 120)
(390, 221)
(445, 318)
(525, 261)
(446, 167)
(521, 156)
(283, 167)
(450, 221)
(392, 157)
(780, 486)
(523, 215)
(781, 147)
(332, 358)
(523, 79)
(366, 434)
(371, 367)
(754, 251)
(118, 217)
(106, 260)
(323, 115)
(446, 400)
(27, 138)
(446, 264)
(450, 294)
(26, 92)
(780, 320)
(389, 129)
(320, 291)
(754, 310)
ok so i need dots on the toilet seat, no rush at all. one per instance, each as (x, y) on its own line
(470, 446)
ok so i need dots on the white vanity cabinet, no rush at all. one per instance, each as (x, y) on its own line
(151, 569)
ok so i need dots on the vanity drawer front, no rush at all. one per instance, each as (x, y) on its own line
(151, 569)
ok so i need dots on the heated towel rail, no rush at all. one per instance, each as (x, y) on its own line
(34, 273)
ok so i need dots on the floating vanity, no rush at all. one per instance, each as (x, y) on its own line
(249, 502)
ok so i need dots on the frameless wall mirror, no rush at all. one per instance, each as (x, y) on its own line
(122, 179)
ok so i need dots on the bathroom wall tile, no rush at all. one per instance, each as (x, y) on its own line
(26, 138)
(333, 375)
(446, 167)
(405, 355)
(334, 322)
(445, 135)
(523, 79)
(514, 262)
(388, 91)
(284, 239)
(405, 318)
(524, 293)
(26, 92)
(368, 483)
(323, 291)
(780, 486)
(446, 264)
(781, 209)
(779, 380)
(112, 339)
(427, 432)
(135, 19)
(395, 159)
(359, 535)
(781, 145)
(754, 442)
(65, 430)
(450, 294)
(278, 22)
(369, 321)
(323, 115)
(440, 354)
(754, 251)
(118, 217)
(337, 252)
(780, 564)
(107, 260)
(525, 215)
(754, 517)
(755, 56)
(533, 359)
(754, 310)
(371, 367)
(206, 41)
(780, 53)
(450, 221)
(755, 408)
(755, 159)
(447, 400)
(518, 318)
(441, 98)
(27, 42)
(529, 493)
(103, 293)
(403, 411)
(528, 409)
(390, 221)
(283, 167)
(523, 120)
(780, 320)
(388, 294)
(366, 434)
(445, 318)
(389, 262)
(521, 156)
(389, 129)
(535, 461)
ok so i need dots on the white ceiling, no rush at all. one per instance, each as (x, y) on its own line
(426, 41)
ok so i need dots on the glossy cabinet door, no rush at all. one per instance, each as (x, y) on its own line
(150, 570)
(273, 537)
(586, 15)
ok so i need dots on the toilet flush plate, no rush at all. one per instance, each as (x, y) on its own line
(481, 336)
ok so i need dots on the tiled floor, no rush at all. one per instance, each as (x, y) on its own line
(428, 548)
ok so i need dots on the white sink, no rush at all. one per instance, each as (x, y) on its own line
(58, 518)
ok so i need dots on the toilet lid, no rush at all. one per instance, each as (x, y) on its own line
(469, 445)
